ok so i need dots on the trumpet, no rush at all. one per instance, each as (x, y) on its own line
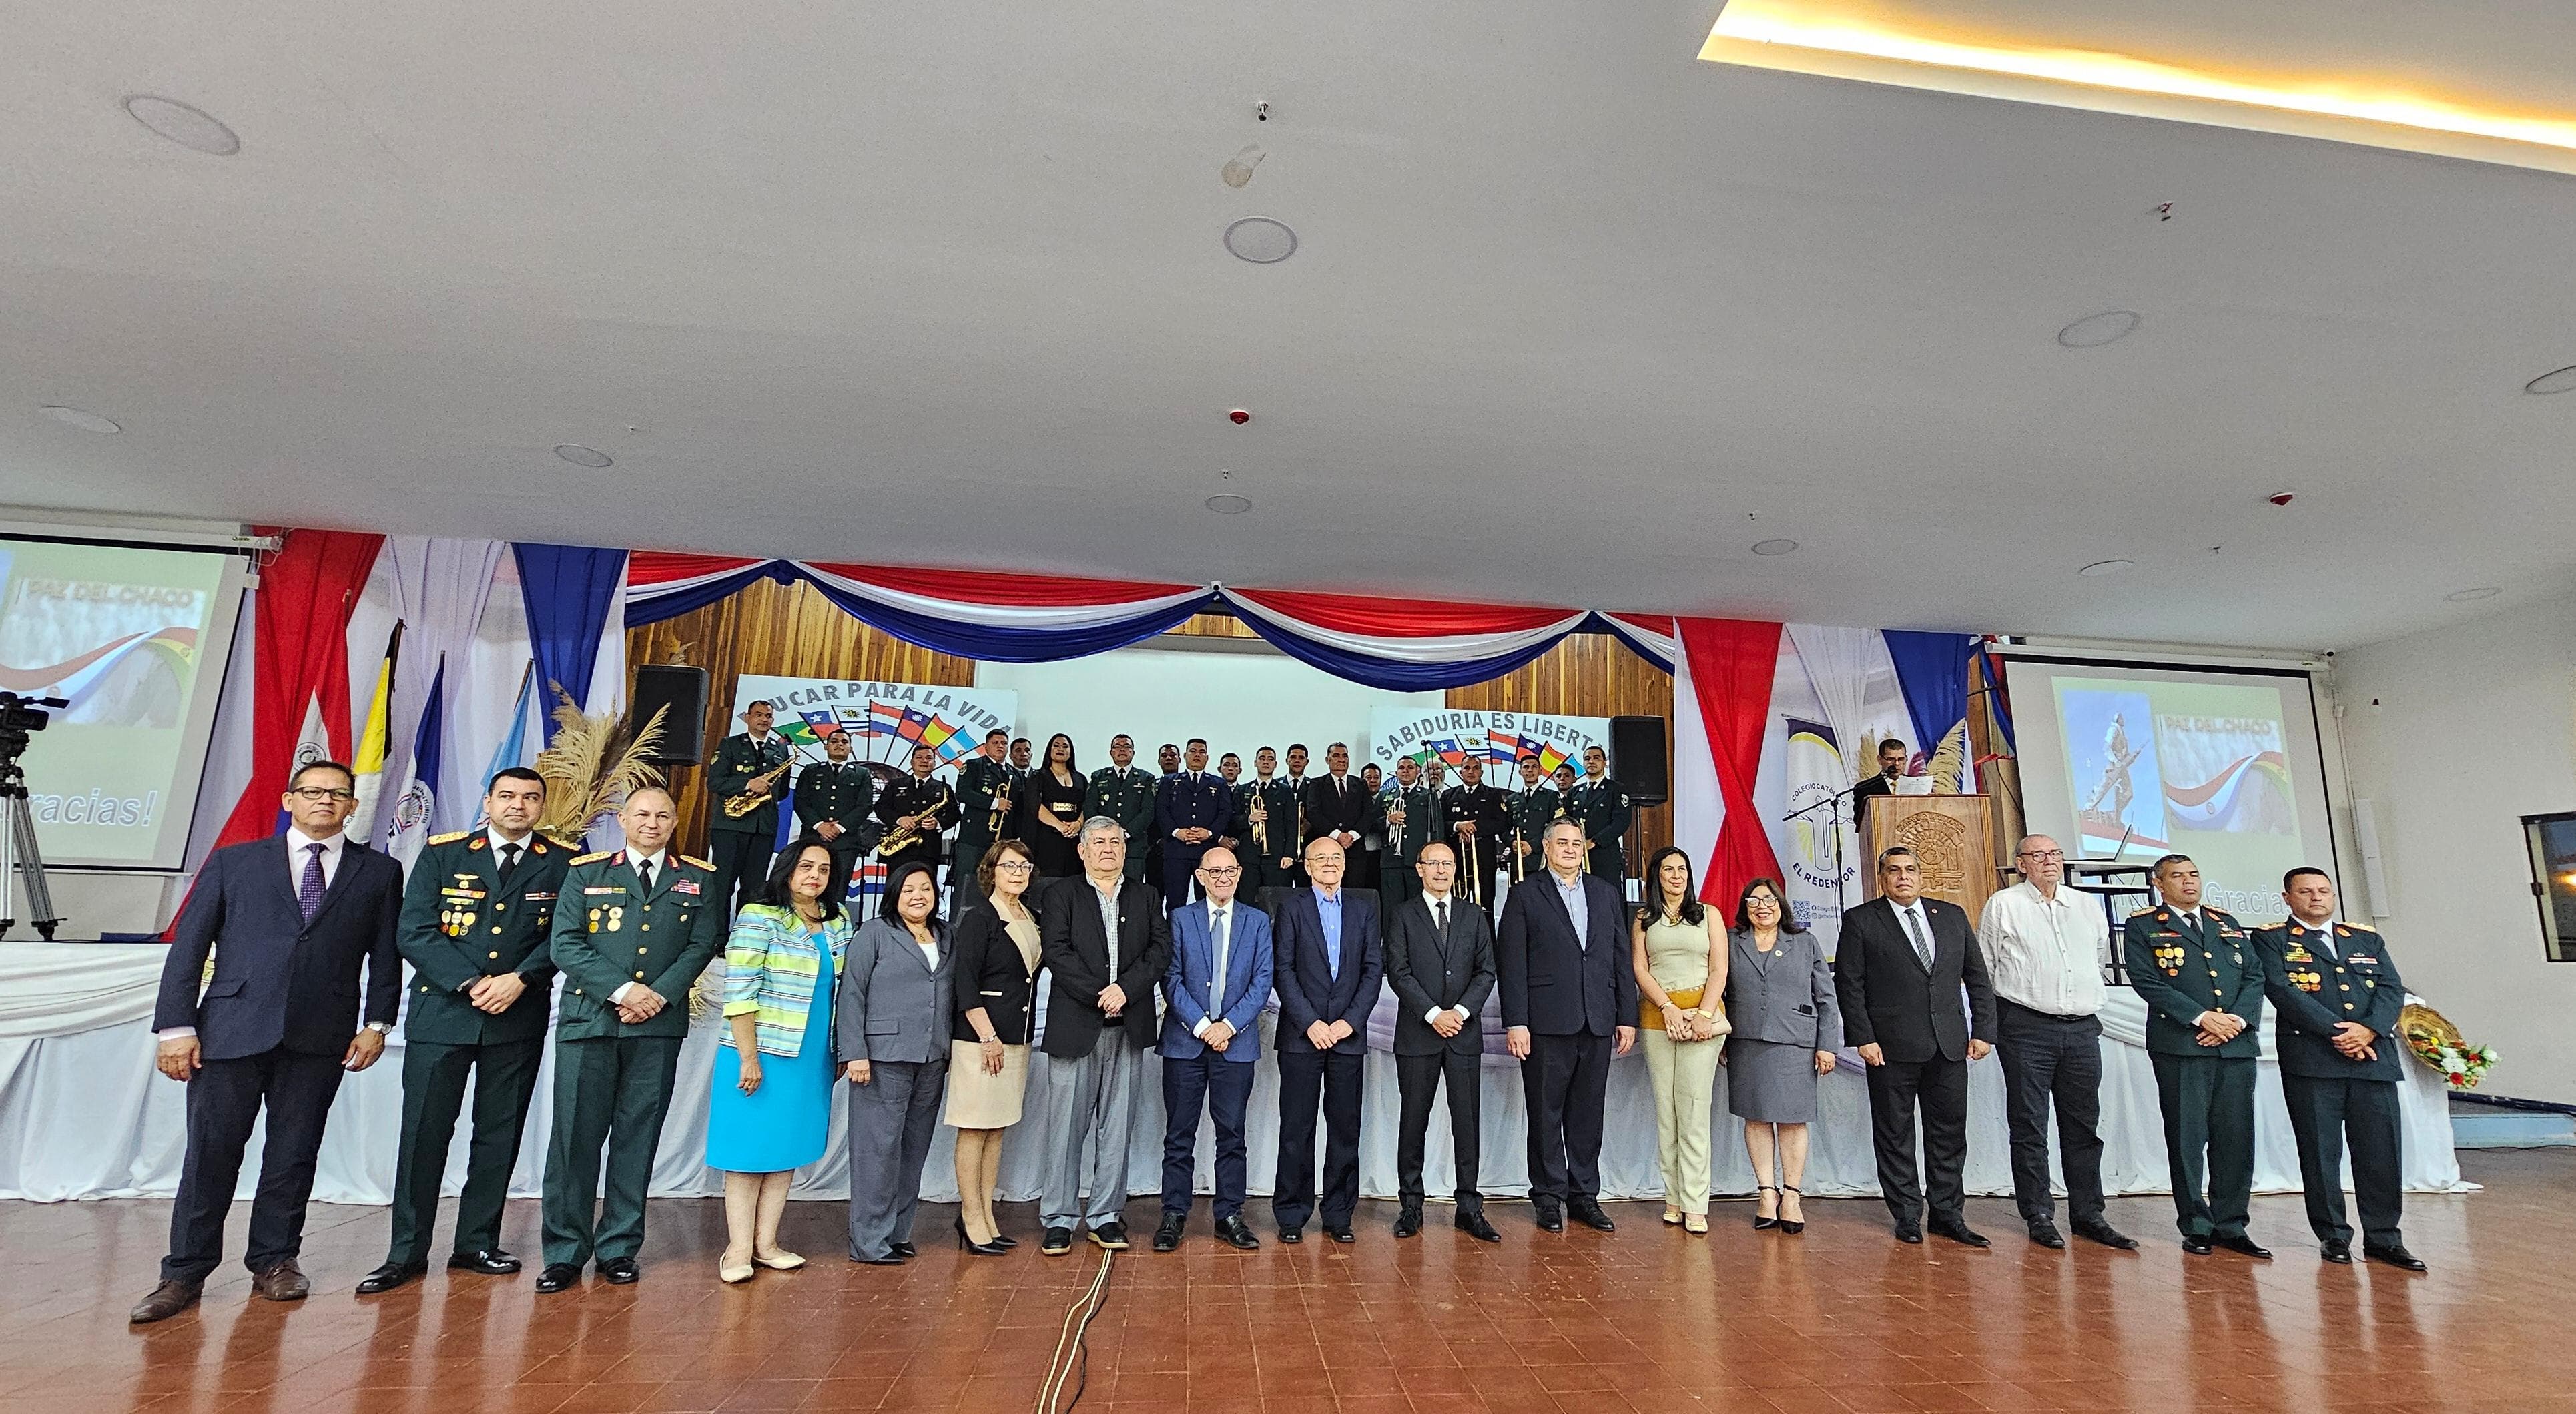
(755, 793)
(1260, 818)
(897, 841)
(1001, 806)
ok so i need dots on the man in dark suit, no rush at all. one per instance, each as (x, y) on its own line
(1897, 975)
(475, 923)
(1530, 809)
(985, 787)
(1440, 960)
(2199, 973)
(1337, 804)
(2338, 995)
(919, 806)
(1219, 979)
(1569, 1005)
(833, 799)
(290, 921)
(1191, 808)
(1410, 810)
(750, 762)
(1891, 765)
(1602, 804)
(1479, 818)
(1330, 965)
(1106, 944)
(1265, 817)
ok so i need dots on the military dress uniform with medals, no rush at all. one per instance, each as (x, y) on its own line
(1480, 857)
(909, 794)
(612, 1079)
(1531, 812)
(742, 844)
(1127, 797)
(466, 917)
(840, 792)
(2319, 978)
(1404, 844)
(1603, 808)
(981, 783)
(1275, 839)
(2181, 969)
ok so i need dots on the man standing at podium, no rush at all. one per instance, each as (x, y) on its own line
(1891, 765)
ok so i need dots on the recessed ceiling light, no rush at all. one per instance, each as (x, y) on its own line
(85, 421)
(2558, 381)
(580, 455)
(2464, 596)
(1228, 505)
(1261, 240)
(191, 128)
(2102, 567)
(1774, 547)
(2094, 330)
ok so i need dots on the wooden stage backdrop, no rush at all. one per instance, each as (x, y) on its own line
(792, 630)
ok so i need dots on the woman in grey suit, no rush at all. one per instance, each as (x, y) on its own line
(1780, 995)
(892, 1018)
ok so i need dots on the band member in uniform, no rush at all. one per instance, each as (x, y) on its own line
(1122, 793)
(833, 797)
(622, 1019)
(1229, 768)
(1337, 806)
(750, 762)
(1190, 809)
(984, 788)
(1167, 760)
(2200, 975)
(1411, 813)
(475, 921)
(2338, 995)
(1264, 814)
(915, 809)
(1602, 805)
(1369, 861)
(1531, 807)
(1050, 810)
(1290, 844)
(1480, 825)
(1022, 758)
(1167, 764)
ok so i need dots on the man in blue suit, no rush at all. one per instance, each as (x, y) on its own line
(1191, 808)
(1329, 970)
(290, 921)
(1219, 978)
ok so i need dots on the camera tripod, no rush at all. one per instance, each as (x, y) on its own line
(22, 865)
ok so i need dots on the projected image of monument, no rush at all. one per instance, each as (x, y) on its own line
(2112, 769)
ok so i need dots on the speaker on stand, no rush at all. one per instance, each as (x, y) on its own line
(1639, 763)
(680, 693)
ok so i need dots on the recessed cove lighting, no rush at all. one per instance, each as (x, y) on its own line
(2470, 596)
(191, 128)
(2102, 567)
(1261, 240)
(1774, 547)
(85, 421)
(1228, 505)
(580, 455)
(2094, 330)
(2557, 381)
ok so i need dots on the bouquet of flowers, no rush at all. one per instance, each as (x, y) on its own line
(2437, 1043)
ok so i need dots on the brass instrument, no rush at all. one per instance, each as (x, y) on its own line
(756, 791)
(1479, 878)
(899, 840)
(1520, 836)
(1001, 804)
(1260, 818)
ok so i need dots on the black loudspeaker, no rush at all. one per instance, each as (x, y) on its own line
(681, 693)
(1637, 759)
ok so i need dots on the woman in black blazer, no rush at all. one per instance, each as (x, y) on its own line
(996, 964)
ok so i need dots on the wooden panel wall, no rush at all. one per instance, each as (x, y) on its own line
(1589, 675)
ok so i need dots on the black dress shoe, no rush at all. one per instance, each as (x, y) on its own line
(166, 1300)
(1167, 1236)
(1549, 1219)
(1341, 1234)
(1962, 1234)
(2241, 1243)
(391, 1275)
(1235, 1232)
(1111, 1236)
(905, 1250)
(1588, 1212)
(490, 1262)
(557, 1276)
(1472, 1223)
(2337, 1251)
(2198, 1246)
(2106, 1235)
(1292, 1235)
(2395, 1256)
(1057, 1242)
(2046, 1235)
(620, 1271)
(1408, 1222)
(1909, 1234)
(888, 1260)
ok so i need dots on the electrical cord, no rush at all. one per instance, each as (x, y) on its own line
(1072, 1359)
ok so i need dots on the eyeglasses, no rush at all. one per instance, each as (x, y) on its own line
(320, 794)
(1013, 866)
(2043, 856)
(1221, 873)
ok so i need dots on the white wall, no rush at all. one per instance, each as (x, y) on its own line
(2455, 734)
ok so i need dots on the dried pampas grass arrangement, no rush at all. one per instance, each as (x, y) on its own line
(592, 766)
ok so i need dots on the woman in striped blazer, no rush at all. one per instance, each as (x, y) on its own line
(772, 1102)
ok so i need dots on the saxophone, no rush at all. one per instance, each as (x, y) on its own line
(898, 841)
(755, 793)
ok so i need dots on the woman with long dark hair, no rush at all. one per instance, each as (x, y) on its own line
(1781, 993)
(1680, 962)
(894, 1005)
(1049, 813)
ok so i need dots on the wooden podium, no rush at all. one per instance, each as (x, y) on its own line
(1952, 834)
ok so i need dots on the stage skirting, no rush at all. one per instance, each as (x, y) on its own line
(84, 1115)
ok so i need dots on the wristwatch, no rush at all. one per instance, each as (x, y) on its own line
(381, 1028)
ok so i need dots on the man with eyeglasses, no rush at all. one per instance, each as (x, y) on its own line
(289, 922)
(1218, 980)
(2045, 945)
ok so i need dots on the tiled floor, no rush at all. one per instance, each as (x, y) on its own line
(1841, 1319)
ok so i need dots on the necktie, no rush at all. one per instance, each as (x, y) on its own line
(1440, 919)
(1914, 930)
(509, 862)
(308, 890)
(2325, 942)
(644, 875)
(1216, 993)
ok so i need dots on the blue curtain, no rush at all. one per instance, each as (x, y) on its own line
(567, 590)
(1932, 672)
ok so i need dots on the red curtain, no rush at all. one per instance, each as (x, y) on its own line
(1732, 663)
(301, 639)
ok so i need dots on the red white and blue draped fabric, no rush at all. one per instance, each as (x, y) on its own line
(1403, 645)
(661, 585)
(1004, 618)
(1651, 635)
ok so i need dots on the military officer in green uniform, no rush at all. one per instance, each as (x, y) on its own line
(2337, 994)
(474, 927)
(633, 928)
(1602, 805)
(916, 809)
(1411, 810)
(743, 843)
(2199, 972)
(1532, 807)
(1125, 795)
(832, 800)
(985, 790)
(1479, 818)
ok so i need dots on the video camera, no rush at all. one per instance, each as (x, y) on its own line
(20, 715)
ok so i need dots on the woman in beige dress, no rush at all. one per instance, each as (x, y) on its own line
(988, 1055)
(1680, 962)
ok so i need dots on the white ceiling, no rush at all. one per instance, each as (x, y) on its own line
(1576, 318)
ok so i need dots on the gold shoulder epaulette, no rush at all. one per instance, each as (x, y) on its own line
(2141, 913)
(594, 858)
(693, 860)
(449, 838)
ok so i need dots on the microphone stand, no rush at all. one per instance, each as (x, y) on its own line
(1834, 825)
